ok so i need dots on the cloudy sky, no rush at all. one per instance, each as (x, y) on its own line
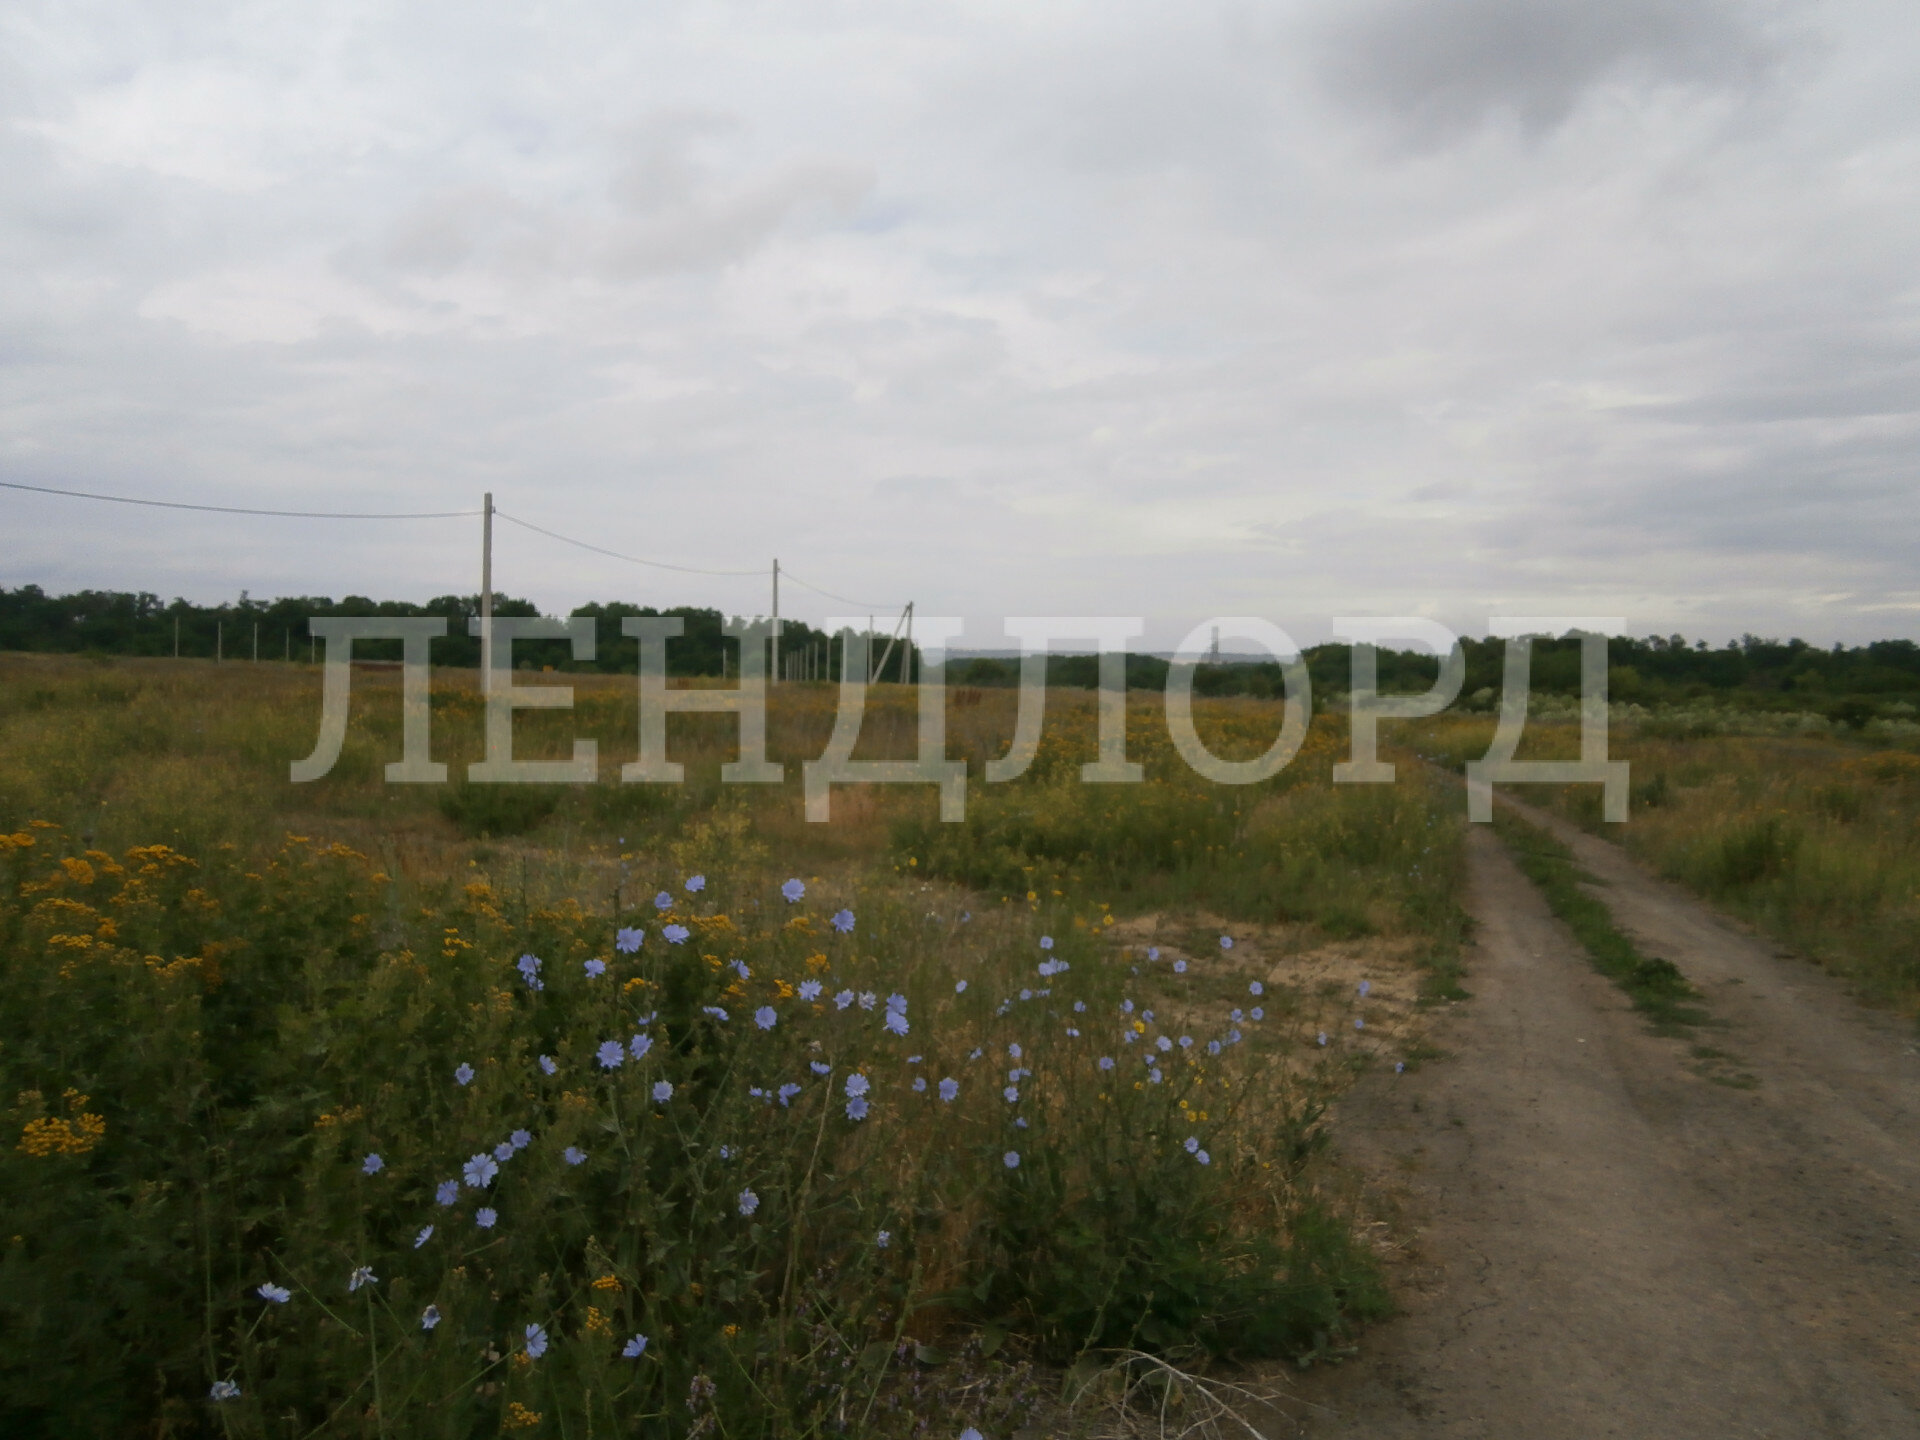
(1445, 307)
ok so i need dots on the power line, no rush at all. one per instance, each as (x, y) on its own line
(869, 605)
(241, 509)
(615, 554)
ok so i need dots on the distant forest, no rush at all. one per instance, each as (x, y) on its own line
(1843, 681)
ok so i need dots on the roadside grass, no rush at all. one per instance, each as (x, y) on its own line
(223, 993)
(1655, 986)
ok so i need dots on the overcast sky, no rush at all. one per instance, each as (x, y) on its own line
(1455, 308)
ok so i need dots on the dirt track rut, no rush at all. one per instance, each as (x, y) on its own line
(1610, 1244)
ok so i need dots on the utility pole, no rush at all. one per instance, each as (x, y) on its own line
(289, 647)
(176, 634)
(774, 670)
(219, 641)
(256, 642)
(486, 594)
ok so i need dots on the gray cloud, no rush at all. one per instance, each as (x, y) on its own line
(1440, 69)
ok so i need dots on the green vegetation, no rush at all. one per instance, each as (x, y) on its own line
(223, 994)
(1656, 987)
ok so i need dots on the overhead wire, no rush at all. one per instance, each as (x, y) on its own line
(244, 509)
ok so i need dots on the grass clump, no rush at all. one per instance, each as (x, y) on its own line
(1655, 986)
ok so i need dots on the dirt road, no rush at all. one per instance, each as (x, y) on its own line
(1610, 1244)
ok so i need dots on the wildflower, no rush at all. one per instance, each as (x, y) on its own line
(479, 1171)
(1213, 1047)
(1365, 986)
(1358, 1023)
(464, 1075)
(224, 1390)
(520, 1139)
(662, 1091)
(1019, 1122)
(726, 1152)
(949, 1088)
(970, 1434)
(1106, 1062)
(819, 1067)
(1256, 988)
(843, 921)
(676, 934)
(976, 1053)
(1179, 967)
(868, 999)
(1073, 1033)
(914, 1059)
(1162, 1044)
(858, 1084)
(363, 1276)
(960, 987)
(646, 1019)
(749, 1202)
(447, 1192)
(1154, 1075)
(1322, 1037)
(635, 1348)
(787, 1092)
(1011, 1159)
(965, 915)
(1147, 1015)
(610, 1054)
(1013, 1051)
(503, 1151)
(1079, 1007)
(883, 1239)
(485, 1217)
(1026, 994)
(1126, 1007)
(842, 1000)
(536, 1342)
(1257, 1013)
(1226, 942)
(1046, 942)
(765, 1018)
(1191, 1143)
(426, 1234)
(1233, 1037)
(695, 884)
(793, 890)
(1203, 1157)
(549, 1064)
(596, 968)
(1186, 1042)
(809, 989)
(429, 1317)
(529, 968)
(919, 1084)
(739, 967)
(372, 1165)
(856, 1109)
(1237, 1015)
(1398, 1066)
(1012, 1092)
(640, 1044)
(574, 1155)
(663, 901)
(1153, 952)
(278, 1294)
(895, 1022)
(628, 939)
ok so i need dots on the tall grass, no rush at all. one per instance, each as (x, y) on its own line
(223, 997)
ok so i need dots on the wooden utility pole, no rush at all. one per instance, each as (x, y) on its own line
(774, 670)
(219, 641)
(486, 594)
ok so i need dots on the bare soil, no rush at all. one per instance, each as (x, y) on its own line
(1600, 1235)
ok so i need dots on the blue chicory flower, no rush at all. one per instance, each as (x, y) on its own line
(595, 969)
(479, 1171)
(749, 1202)
(949, 1088)
(549, 1064)
(426, 1234)
(635, 1348)
(843, 921)
(1011, 1159)
(224, 1390)
(447, 1192)
(765, 1017)
(610, 1054)
(278, 1294)
(485, 1217)
(640, 1044)
(372, 1165)
(663, 901)
(429, 1317)
(628, 939)
(662, 1091)
(536, 1342)
(574, 1155)
(463, 1074)
(819, 1067)
(793, 890)
(676, 934)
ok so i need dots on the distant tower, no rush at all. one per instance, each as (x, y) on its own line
(1214, 654)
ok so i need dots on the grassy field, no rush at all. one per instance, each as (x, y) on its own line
(366, 1109)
